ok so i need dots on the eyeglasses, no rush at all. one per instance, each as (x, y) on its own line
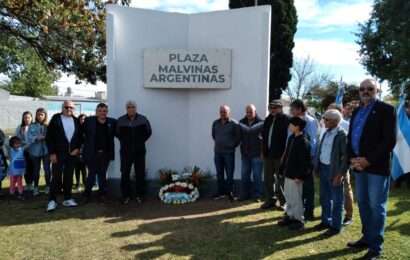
(67, 107)
(274, 107)
(326, 119)
(130, 107)
(361, 89)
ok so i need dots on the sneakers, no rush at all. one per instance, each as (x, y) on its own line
(51, 206)
(138, 200)
(36, 192)
(125, 201)
(347, 221)
(70, 203)
(218, 196)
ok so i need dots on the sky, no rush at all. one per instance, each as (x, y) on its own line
(325, 32)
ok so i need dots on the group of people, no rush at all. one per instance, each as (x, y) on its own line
(68, 143)
(289, 149)
(292, 149)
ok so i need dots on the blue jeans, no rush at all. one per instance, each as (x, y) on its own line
(331, 199)
(224, 162)
(251, 166)
(371, 194)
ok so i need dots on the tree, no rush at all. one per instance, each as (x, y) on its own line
(385, 42)
(283, 29)
(322, 96)
(305, 77)
(67, 36)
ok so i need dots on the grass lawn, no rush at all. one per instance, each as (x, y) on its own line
(203, 230)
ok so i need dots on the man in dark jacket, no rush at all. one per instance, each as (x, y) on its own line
(274, 135)
(63, 141)
(371, 139)
(133, 130)
(251, 141)
(98, 149)
(226, 135)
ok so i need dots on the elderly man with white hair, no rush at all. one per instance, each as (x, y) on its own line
(133, 130)
(331, 164)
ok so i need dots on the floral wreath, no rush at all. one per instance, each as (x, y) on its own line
(180, 188)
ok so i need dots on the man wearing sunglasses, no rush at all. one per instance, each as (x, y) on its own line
(371, 139)
(63, 140)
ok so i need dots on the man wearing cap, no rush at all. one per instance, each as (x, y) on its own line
(274, 135)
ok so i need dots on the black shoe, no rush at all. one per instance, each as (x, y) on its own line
(218, 196)
(285, 221)
(359, 244)
(243, 198)
(371, 255)
(297, 225)
(138, 200)
(309, 217)
(232, 197)
(321, 226)
(125, 201)
(347, 221)
(268, 205)
(332, 232)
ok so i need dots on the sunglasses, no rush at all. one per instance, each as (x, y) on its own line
(67, 107)
(362, 89)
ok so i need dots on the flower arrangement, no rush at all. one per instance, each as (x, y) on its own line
(180, 188)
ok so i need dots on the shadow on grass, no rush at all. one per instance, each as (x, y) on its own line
(222, 236)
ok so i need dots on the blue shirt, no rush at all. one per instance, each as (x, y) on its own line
(311, 130)
(358, 124)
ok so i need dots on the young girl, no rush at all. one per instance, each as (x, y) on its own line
(17, 166)
(22, 134)
(38, 149)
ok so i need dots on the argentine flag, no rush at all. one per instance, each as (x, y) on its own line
(401, 152)
(340, 93)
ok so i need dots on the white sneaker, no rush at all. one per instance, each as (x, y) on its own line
(52, 205)
(70, 203)
(35, 191)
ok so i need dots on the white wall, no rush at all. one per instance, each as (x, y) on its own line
(181, 119)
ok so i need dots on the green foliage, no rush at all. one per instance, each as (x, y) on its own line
(28, 77)
(322, 96)
(385, 42)
(67, 36)
(283, 29)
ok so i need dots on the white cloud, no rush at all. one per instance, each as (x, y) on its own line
(335, 13)
(329, 52)
(183, 6)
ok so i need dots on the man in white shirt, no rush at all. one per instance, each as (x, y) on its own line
(63, 140)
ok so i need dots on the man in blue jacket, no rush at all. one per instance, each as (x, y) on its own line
(371, 139)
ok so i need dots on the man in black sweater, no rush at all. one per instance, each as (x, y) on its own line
(133, 130)
(98, 149)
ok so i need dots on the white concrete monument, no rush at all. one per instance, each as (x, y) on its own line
(180, 68)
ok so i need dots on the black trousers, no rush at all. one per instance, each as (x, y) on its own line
(138, 160)
(309, 196)
(28, 175)
(97, 167)
(63, 169)
(80, 172)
